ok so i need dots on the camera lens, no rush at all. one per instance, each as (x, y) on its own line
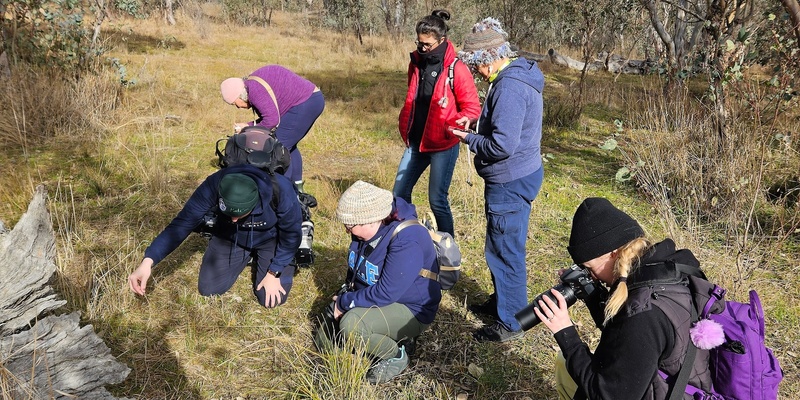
(527, 317)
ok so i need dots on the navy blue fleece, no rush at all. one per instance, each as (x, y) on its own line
(507, 143)
(250, 232)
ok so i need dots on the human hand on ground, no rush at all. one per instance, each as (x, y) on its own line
(138, 279)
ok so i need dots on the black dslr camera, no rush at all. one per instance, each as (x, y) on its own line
(576, 283)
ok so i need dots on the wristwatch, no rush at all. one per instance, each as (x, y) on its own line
(273, 273)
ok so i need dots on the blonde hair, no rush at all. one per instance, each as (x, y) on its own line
(628, 257)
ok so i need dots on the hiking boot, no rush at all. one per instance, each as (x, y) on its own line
(385, 370)
(496, 333)
(489, 307)
(410, 344)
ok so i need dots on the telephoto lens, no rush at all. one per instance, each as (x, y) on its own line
(576, 282)
(527, 317)
(305, 255)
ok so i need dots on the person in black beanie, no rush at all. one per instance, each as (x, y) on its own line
(645, 320)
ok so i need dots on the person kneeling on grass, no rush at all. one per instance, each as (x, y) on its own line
(236, 206)
(391, 294)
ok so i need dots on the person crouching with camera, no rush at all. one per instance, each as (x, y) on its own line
(645, 320)
(389, 297)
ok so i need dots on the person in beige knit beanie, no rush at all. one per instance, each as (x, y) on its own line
(391, 294)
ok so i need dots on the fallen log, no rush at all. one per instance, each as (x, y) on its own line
(566, 61)
(44, 355)
(614, 63)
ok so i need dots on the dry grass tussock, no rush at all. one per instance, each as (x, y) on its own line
(109, 200)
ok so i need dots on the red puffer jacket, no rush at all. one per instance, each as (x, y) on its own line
(444, 111)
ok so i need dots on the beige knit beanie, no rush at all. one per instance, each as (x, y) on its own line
(363, 203)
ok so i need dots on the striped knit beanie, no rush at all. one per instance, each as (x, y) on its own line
(363, 203)
(487, 43)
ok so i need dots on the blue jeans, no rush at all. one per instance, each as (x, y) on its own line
(442, 163)
(508, 211)
(224, 261)
(294, 126)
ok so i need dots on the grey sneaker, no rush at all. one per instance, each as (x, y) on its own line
(385, 370)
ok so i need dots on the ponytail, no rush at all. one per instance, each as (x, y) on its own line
(628, 257)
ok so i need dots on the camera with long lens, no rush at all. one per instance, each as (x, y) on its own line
(328, 323)
(576, 283)
(305, 255)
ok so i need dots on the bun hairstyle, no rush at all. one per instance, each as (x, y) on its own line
(434, 24)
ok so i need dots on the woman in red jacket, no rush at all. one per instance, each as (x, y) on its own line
(440, 91)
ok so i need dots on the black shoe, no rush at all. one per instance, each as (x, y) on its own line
(410, 345)
(489, 307)
(496, 333)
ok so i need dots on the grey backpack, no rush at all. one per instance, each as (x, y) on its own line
(447, 254)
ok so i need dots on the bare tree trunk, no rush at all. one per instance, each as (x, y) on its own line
(100, 13)
(793, 8)
(168, 13)
(658, 26)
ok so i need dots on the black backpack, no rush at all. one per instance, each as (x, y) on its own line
(254, 145)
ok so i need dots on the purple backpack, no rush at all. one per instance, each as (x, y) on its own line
(742, 367)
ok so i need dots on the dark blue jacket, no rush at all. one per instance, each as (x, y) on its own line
(261, 226)
(509, 132)
(387, 271)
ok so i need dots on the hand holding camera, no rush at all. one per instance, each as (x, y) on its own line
(576, 283)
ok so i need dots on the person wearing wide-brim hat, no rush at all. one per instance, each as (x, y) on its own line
(245, 219)
(282, 101)
(506, 143)
(391, 294)
(646, 320)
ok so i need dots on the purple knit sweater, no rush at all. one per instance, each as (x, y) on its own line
(290, 90)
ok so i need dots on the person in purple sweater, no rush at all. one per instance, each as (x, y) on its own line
(282, 101)
(249, 219)
(390, 297)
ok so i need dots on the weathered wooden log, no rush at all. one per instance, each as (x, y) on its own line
(532, 56)
(565, 61)
(26, 265)
(57, 358)
(614, 63)
(45, 356)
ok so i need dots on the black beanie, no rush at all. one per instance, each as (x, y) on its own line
(599, 228)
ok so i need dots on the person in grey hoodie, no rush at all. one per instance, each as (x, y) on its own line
(506, 142)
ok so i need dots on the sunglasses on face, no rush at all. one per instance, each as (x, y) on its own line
(427, 46)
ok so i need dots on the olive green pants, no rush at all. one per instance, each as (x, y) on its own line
(565, 386)
(377, 329)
